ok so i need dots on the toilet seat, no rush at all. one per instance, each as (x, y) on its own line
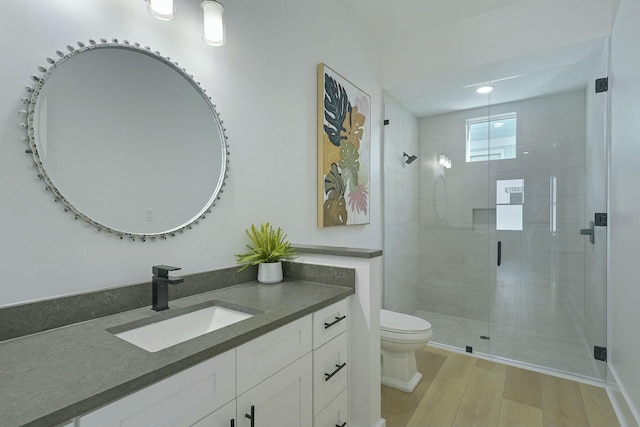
(393, 323)
(401, 337)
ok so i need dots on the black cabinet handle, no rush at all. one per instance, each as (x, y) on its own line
(233, 422)
(338, 368)
(344, 424)
(338, 319)
(499, 253)
(252, 417)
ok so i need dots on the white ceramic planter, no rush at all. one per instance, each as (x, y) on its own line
(270, 272)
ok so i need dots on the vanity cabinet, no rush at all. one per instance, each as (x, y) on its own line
(264, 356)
(283, 399)
(223, 417)
(274, 377)
(295, 375)
(336, 414)
(182, 399)
(329, 322)
(330, 366)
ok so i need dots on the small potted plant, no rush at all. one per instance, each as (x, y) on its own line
(269, 248)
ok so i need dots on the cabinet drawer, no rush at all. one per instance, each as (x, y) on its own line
(181, 399)
(329, 322)
(335, 414)
(259, 359)
(330, 372)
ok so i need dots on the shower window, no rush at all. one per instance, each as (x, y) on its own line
(491, 138)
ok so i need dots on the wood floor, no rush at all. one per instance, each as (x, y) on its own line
(460, 390)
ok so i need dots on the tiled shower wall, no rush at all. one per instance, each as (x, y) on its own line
(401, 214)
(458, 262)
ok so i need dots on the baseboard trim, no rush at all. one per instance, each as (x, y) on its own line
(627, 414)
(523, 365)
(381, 423)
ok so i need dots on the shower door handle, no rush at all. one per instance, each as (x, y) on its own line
(589, 232)
(499, 253)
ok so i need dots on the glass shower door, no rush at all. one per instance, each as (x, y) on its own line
(547, 303)
(455, 223)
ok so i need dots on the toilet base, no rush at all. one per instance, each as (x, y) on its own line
(406, 386)
(399, 370)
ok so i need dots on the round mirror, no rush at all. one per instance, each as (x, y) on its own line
(126, 139)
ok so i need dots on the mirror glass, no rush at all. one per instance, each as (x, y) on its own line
(127, 140)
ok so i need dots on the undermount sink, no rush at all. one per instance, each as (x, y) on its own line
(165, 333)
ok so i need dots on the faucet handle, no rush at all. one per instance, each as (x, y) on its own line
(163, 270)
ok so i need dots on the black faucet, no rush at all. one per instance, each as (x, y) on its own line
(160, 286)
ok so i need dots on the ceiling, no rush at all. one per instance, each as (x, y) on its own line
(559, 70)
(391, 21)
(506, 89)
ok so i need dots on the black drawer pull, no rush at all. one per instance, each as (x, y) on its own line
(338, 368)
(344, 424)
(233, 422)
(252, 417)
(338, 319)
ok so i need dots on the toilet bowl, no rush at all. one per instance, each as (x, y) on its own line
(401, 335)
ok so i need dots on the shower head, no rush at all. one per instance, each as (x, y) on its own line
(409, 158)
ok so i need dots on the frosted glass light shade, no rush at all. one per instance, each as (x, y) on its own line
(213, 12)
(164, 10)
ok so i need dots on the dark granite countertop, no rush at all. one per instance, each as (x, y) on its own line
(338, 251)
(51, 377)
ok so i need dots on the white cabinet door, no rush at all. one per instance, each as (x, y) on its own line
(264, 356)
(283, 399)
(223, 417)
(180, 400)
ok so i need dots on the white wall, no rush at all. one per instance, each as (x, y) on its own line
(624, 291)
(402, 209)
(264, 83)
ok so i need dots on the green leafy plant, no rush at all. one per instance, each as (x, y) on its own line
(269, 245)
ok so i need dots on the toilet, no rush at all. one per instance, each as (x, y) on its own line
(401, 335)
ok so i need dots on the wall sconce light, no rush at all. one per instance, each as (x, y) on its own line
(163, 10)
(212, 13)
(444, 161)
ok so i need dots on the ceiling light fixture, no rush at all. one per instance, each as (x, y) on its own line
(163, 10)
(484, 89)
(212, 13)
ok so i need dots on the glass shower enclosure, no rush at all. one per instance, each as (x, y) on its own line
(511, 220)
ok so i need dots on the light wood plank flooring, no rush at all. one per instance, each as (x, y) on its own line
(460, 390)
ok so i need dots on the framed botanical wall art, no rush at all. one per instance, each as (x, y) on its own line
(344, 150)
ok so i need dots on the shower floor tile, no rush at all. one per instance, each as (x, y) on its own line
(558, 352)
